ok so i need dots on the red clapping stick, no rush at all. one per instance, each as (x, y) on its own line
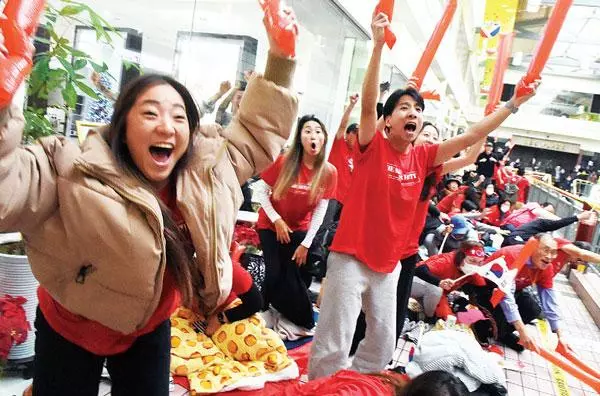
(281, 25)
(504, 49)
(556, 360)
(22, 17)
(560, 348)
(544, 48)
(434, 44)
(387, 7)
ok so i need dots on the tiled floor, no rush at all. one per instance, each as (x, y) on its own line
(536, 379)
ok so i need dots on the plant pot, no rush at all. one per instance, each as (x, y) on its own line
(16, 279)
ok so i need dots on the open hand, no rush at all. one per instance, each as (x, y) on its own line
(300, 255)
(283, 231)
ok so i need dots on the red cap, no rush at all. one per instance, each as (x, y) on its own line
(475, 251)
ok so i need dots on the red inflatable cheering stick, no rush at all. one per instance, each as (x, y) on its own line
(544, 48)
(504, 48)
(18, 28)
(575, 371)
(281, 24)
(387, 7)
(433, 44)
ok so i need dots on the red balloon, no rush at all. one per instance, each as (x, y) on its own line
(544, 48)
(387, 7)
(21, 21)
(281, 25)
(433, 44)
(504, 49)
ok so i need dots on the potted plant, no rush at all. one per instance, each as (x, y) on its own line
(251, 259)
(57, 66)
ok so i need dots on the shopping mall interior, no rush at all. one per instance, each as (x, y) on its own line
(87, 52)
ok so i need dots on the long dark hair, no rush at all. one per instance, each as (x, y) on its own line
(187, 275)
(293, 162)
(435, 383)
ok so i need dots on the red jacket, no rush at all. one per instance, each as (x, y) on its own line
(442, 266)
(451, 203)
(530, 276)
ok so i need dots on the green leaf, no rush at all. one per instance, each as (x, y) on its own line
(53, 35)
(99, 68)
(87, 90)
(79, 64)
(76, 52)
(68, 67)
(71, 10)
(70, 95)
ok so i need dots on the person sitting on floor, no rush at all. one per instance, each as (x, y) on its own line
(436, 276)
(520, 307)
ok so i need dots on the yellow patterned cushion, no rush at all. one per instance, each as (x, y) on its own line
(237, 350)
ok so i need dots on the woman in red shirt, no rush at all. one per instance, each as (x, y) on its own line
(436, 277)
(496, 214)
(294, 194)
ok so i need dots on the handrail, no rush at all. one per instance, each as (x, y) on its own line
(577, 182)
(594, 206)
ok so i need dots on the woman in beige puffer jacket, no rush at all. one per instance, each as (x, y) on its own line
(139, 215)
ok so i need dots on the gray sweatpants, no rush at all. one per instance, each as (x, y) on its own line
(427, 294)
(352, 286)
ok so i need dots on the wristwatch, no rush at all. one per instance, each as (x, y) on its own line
(511, 106)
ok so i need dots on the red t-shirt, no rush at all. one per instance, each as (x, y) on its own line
(295, 207)
(240, 283)
(99, 339)
(523, 193)
(342, 157)
(442, 266)
(420, 216)
(529, 276)
(451, 203)
(380, 206)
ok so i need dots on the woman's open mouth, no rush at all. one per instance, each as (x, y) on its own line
(161, 152)
(313, 145)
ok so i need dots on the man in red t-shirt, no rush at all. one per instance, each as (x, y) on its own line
(519, 308)
(343, 154)
(362, 267)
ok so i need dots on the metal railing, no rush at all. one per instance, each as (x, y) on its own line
(565, 205)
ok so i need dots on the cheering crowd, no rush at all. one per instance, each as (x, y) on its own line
(132, 229)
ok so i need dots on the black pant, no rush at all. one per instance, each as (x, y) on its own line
(62, 368)
(529, 309)
(402, 295)
(286, 284)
